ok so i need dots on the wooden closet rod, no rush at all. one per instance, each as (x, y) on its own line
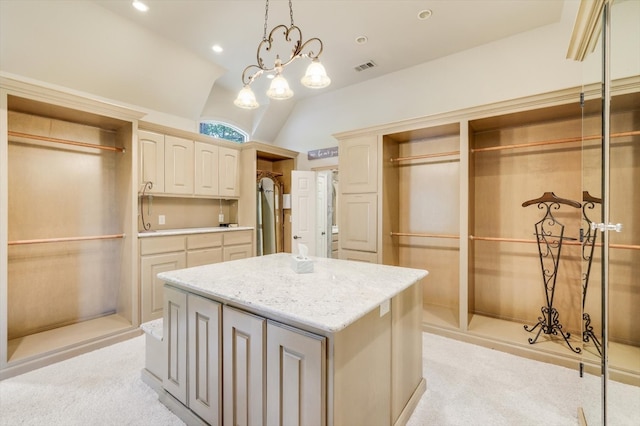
(416, 157)
(64, 141)
(65, 239)
(553, 142)
(569, 243)
(418, 234)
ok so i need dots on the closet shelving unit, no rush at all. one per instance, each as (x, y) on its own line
(449, 190)
(68, 210)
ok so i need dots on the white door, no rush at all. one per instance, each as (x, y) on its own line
(303, 210)
(322, 243)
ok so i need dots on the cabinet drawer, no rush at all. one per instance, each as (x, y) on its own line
(237, 252)
(204, 241)
(237, 237)
(204, 257)
(161, 245)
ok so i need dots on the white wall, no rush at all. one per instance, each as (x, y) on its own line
(526, 64)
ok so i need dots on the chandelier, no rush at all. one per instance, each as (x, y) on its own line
(315, 76)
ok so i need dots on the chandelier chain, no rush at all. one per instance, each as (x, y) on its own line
(291, 12)
(266, 18)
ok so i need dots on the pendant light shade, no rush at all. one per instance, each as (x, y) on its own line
(279, 88)
(246, 99)
(316, 76)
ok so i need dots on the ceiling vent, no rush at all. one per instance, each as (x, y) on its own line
(365, 66)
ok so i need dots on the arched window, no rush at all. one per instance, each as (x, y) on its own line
(223, 131)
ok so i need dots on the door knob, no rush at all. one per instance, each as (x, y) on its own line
(295, 237)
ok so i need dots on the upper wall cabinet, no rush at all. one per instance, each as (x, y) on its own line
(179, 166)
(206, 172)
(229, 176)
(359, 164)
(152, 160)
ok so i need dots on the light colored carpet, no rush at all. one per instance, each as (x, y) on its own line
(466, 385)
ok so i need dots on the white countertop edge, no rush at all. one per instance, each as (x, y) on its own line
(188, 231)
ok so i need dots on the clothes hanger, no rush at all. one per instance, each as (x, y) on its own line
(550, 197)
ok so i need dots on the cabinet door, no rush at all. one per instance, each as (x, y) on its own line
(359, 222)
(229, 177)
(237, 252)
(205, 380)
(174, 342)
(206, 169)
(295, 377)
(243, 358)
(152, 287)
(151, 160)
(178, 165)
(358, 164)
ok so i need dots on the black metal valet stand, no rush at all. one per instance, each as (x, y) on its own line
(588, 244)
(550, 235)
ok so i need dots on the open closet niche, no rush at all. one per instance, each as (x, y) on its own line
(266, 180)
(420, 223)
(70, 216)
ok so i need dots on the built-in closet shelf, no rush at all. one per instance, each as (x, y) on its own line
(440, 316)
(39, 344)
(66, 239)
(552, 142)
(65, 141)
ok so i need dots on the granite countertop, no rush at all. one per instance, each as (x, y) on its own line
(333, 296)
(186, 231)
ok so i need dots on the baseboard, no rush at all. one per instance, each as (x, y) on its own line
(407, 411)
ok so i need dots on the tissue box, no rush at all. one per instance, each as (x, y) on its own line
(301, 265)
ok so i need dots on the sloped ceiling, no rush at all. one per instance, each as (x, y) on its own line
(85, 47)
(162, 60)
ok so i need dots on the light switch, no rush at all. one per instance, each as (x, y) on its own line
(161, 219)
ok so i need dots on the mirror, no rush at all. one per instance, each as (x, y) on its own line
(270, 217)
(327, 213)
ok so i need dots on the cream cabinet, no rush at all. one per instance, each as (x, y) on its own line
(237, 245)
(243, 360)
(207, 159)
(203, 249)
(168, 253)
(358, 218)
(359, 164)
(295, 376)
(229, 173)
(160, 254)
(151, 160)
(204, 354)
(359, 225)
(178, 165)
(191, 340)
(211, 348)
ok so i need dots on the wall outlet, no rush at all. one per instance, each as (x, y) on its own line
(161, 219)
(221, 218)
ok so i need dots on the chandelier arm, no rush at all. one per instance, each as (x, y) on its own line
(310, 54)
(248, 75)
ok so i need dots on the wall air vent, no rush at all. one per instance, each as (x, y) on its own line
(365, 66)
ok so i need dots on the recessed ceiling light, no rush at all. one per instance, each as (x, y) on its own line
(425, 14)
(140, 6)
(217, 48)
(361, 39)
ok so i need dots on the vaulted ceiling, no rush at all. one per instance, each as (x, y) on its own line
(162, 59)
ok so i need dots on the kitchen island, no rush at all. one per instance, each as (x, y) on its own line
(252, 342)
